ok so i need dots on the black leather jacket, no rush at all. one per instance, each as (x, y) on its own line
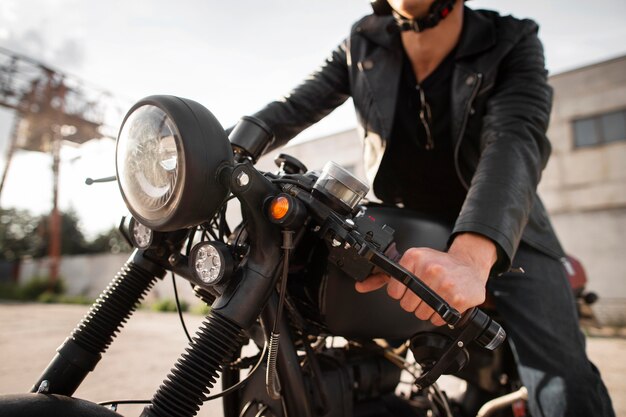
(500, 110)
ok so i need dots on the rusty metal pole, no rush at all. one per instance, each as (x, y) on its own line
(55, 217)
(10, 150)
(54, 224)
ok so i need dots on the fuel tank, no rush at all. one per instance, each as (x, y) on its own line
(332, 302)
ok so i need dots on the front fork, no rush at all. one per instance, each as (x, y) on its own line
(244, 297)
(220, 335)
(83, 349)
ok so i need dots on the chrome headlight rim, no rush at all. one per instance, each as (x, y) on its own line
(202, 150)
(149, 215)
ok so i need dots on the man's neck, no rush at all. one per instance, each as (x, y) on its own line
(427, 49)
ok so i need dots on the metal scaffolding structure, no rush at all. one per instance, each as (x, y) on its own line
(50, 107)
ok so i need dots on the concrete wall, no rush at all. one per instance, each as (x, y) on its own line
(82, 274)
(597, 238)
(585, 188)
(90, 274)
(591, 178)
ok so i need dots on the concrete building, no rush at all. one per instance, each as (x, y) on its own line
(583, 186)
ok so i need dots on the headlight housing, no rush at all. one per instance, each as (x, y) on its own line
(169, 152)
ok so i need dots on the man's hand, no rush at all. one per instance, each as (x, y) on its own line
(459, 276)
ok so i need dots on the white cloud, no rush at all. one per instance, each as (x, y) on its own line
(8, 11)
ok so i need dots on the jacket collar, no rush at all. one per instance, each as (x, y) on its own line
(382, 71)
(477, 36)
(380, 30)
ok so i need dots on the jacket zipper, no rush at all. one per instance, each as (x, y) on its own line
(425, 117)
(468, 109)
(569, 268)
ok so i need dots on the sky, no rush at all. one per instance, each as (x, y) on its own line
(231, 56)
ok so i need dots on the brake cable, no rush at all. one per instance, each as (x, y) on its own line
(272, 383)
(227, 391)
(179, 310)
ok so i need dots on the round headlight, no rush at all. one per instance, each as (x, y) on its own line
(151, 162)
(168, 154)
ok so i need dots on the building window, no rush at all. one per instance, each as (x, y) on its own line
(600, 129)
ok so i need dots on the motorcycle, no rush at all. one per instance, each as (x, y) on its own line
(283, 279)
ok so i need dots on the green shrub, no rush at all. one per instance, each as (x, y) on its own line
(200, 309)
(8, 291)
(31, 290)
(51, 298)
(74, 299)
(168, 305)
(47, 298)
(39, 289)
(38, 285)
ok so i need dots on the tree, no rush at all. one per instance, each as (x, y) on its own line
(22, 235)
(19, 234)
(110, 241)
(73, 240)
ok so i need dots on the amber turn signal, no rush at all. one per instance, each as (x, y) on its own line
(279, 207)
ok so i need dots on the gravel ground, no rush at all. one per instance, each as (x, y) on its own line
(144, 352)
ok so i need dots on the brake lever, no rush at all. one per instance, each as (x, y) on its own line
(337, 229)
(448, 313)
(473, 325)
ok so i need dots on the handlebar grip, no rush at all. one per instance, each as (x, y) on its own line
(491, 335)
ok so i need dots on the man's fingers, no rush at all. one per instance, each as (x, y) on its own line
(409, 301)
(372, 283)
(424, 312)
(395, 289)
(436, 320)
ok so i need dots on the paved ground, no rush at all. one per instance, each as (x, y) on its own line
(144, 352)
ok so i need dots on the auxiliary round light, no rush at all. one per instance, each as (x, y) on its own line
(141, 236)
(210, 262)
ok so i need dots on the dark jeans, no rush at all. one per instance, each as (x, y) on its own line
(540, 318)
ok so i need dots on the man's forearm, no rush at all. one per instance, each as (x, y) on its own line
(476, 248)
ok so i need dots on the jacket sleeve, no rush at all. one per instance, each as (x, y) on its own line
(514, 150)
(318, 95)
